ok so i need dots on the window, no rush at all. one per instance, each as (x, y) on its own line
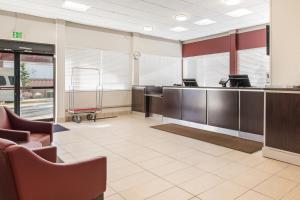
(255, 63)
(115, 67)
(116, 70)
(207, 69)
(159, 70)
(2, 81)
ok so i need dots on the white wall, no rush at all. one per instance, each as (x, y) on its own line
(67, 34)
(285, 42)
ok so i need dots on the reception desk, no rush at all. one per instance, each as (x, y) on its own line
(270, 115)
(238, 110)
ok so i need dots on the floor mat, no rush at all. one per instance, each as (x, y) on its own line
(59, 128)
(239, 144)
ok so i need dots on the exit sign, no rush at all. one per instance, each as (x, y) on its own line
(17, 35)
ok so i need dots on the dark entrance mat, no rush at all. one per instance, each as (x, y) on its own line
(59, 128)
(231, 142)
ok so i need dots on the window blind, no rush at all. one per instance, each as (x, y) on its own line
(159, 70)
(207, 69)
(115, 66)
(255, 63)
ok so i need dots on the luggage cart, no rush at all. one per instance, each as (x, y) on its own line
(91, 113)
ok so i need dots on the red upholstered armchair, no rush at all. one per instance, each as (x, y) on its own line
(33, 175)
(16, 129)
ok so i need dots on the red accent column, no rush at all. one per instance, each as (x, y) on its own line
(233, 54)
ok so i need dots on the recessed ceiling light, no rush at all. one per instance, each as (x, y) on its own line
(181, 17)
(70, 5)
(179, 29)
(205, 22)
(231, 2)
(148, 28)
(239, 12)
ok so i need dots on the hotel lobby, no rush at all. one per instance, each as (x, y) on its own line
(149, 100)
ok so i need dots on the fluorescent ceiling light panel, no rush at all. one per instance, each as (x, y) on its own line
(181, 17)
(179, 29)
(148, 28)
(231, 2)
(205, 22)
(239, 12)
(70, 5)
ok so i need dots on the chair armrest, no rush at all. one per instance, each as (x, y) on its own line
(14, 135)
(47, 153)
(19, 123)
(39, 179)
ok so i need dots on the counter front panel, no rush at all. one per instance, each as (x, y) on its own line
(252, 112)
(194, 106)
(138, 99)
(172, 100)
(223, 109)
(283, 121)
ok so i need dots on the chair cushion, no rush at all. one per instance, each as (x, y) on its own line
(40, 137)
(4, 120)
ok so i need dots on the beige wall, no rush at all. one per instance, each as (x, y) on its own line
(285, 42)
(156, 46)
(92, 37)
(110, 99)
(34, 29)
(143, 44)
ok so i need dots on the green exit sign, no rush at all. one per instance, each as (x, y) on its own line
(17, 35)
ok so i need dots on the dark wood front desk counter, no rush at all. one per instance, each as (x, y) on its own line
(271, 115)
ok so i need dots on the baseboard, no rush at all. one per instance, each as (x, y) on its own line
(251, 136)
(235, 133)
(103, 115)
(281, 155)
(141, 114)
(60, 120)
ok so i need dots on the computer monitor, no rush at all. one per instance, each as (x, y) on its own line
(190, 82)
(239, 80)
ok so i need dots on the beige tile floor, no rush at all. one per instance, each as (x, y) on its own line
(144, 163)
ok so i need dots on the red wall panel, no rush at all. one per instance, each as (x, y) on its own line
(205, 47)
(233, 54)
(247, 40)
(252, 39)
(231, 43)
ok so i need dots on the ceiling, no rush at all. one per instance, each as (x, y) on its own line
(133, 15)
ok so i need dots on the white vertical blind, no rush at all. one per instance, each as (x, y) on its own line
(116, 70)
(159, 70)
(207, 69)
(255, 63)
(115, 65)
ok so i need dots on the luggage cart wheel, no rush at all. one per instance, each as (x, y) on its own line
(76, 118)
(90, 117)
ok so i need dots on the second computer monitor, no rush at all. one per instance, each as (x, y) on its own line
(239, 81)
(190, 82)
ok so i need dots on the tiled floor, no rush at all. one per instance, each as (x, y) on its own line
(145, 163)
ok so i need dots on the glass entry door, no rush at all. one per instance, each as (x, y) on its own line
(27, 83)
(36, 78)
(7, 82)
